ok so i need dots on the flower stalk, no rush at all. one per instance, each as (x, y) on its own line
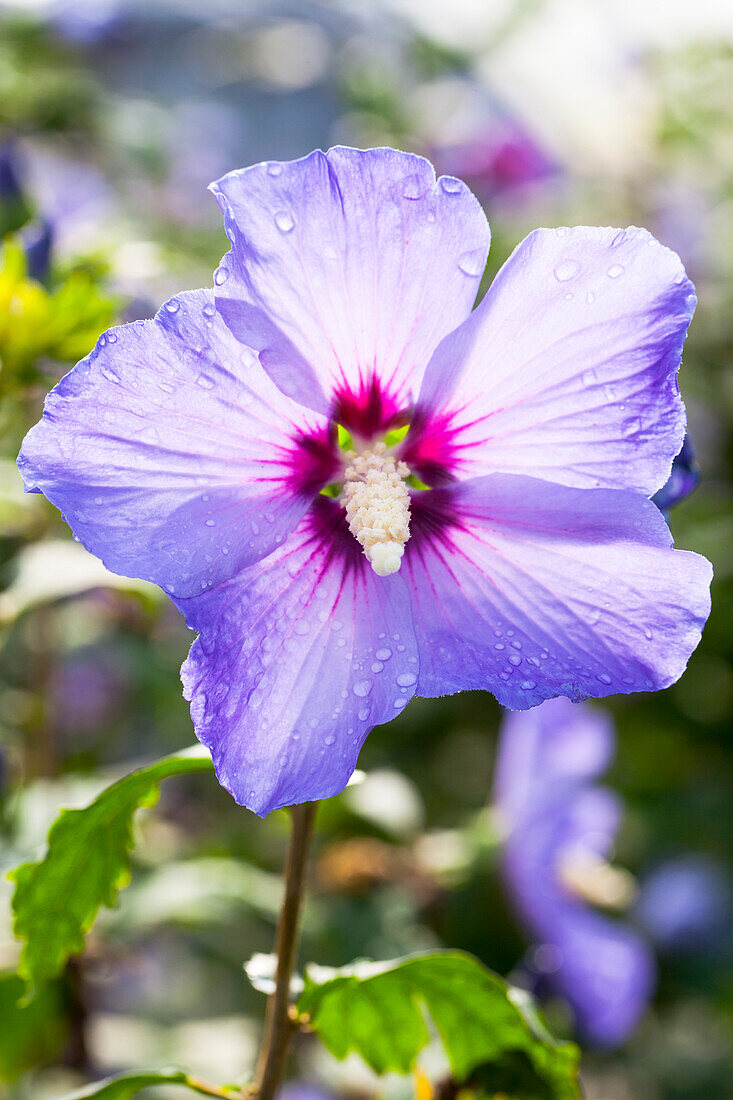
(279, 1025)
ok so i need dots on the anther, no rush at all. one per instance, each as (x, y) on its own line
(377, 503)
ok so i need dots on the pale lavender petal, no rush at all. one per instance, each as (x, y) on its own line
(531, 590)
(297, 659)
(347, 264)
(567, 370)
(683, 479)
(171, 453)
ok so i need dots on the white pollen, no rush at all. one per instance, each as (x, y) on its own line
(377, 503)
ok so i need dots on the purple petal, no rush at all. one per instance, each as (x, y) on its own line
(606, 972)
(345, 264)
(532, 590)
(171, 453)
(567, 370)
(297, 659)
(544, 749)
(683, 479)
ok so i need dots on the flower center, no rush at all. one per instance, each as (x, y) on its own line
(590, 878)
(377, 503)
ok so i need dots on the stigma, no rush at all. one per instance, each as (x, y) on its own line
(377, 503)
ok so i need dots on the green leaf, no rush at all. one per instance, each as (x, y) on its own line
(57, 898)
(123, 1086)
(378, 1010)
(30, 1034)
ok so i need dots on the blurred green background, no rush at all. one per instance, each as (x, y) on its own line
(114, 117)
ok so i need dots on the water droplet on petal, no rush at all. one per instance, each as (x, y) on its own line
(604, 677)
(330, 740)
(568, 269)
(515, 660)
(383, 654)
(472, 263)
(274, 168)
(173, 306)
(527, 685)
(221, 275)
(620, 236)
(362, 688)
(111, 337)
(413, 188)
(363, 714)
(284, 221)
(210, 523)
(209, 309)
(205, 382)
(406, 679)
(615, 271)
(450, 185)
(590, 297)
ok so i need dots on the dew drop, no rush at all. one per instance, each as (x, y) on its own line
(604, 677)
(111, 376)
(205, 382)
(590, 297)
(620, 236)
(362, 688)
(210, 523)
(472, 263)
(527, 685)
(568, 269)
(173, 306)
(383, 654)
(274, 168)
(399, 704)
(377, 666)
(614, 271)
(209, 309)
(363, 714)
(111, 337)
(221, 275)
(406, 679)
(568, 297)
(515, 660)
(450, 185)
(330, 740)
(413, 188)
(284, 221)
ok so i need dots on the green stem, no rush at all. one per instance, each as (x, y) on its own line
(279, 1025)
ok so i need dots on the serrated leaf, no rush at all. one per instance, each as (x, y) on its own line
(57, 898)
(378, 1010)
(123, 1086)
(29, 1034)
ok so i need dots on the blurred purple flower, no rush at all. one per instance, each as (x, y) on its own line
(247, 451)
(685, 903)
(501, 160)
(16, 212)
(10, 186)
(83, 692)
(683, 479)
(301, 1090)
(560, 827)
